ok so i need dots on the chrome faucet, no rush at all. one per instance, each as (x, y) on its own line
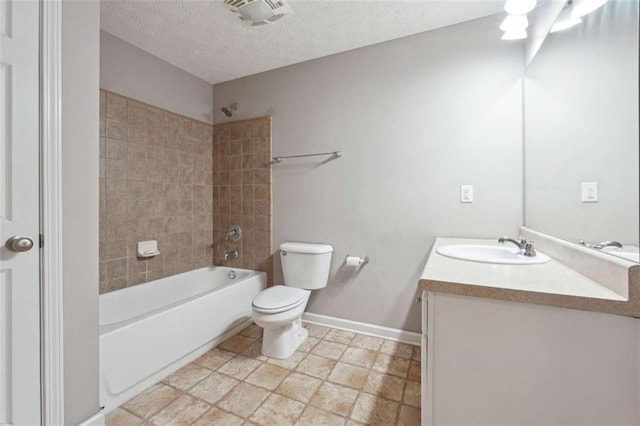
(600, 246)
(526, 247)
(230, 255)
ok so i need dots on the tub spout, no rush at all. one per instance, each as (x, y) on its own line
(230, 255)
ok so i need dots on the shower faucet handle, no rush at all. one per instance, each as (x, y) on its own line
(234, 233)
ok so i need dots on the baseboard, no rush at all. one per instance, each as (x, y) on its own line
(95, 420)
(363, 328)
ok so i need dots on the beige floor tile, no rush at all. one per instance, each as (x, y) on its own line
(391, 365)
(289, 363)
(316, 331)
(340, 336)
(374, 411)
(314, 416)
(412, 394)
(415, 371)
(416, 355)
(367, 342)
(183, 411)
(268, 376)
(401, 350)
(239, 367)
(152, 400)
(237, 343)
(255, 351)
(299, 386)
(308, 344)
(379, 384)
(316, 366)
(120, 417)
(358, 356)
(243, 400)
(277, 410)
(335, 398)
(329, 349)
(217, 417)
(214, 359)
(352, 422)
(214, 387)
(187, 377)
(348, 375)
(409, 416)
(252, 331)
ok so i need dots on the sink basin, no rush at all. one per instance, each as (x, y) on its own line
(491, 254)
(629, 255)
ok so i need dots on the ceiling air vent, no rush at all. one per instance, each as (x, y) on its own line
(258, 12)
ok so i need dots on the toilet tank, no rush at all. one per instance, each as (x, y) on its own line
(305, 265)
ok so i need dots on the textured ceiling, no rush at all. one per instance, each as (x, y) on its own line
(204, 38)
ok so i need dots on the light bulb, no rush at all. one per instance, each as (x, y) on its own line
(515, 35)
(519, 7)
(514, 23)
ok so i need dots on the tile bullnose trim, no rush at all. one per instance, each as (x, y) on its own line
(394, 334)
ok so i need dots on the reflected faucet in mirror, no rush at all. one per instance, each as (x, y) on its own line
(600, 246)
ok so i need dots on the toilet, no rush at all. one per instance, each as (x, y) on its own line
(278, 309)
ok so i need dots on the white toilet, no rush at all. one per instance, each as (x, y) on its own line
(278, 309)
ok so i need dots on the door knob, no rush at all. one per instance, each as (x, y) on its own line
(19, 243)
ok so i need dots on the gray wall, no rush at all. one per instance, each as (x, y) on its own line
(80, 67)
(134, 73)
(414, 118)
(582, 126)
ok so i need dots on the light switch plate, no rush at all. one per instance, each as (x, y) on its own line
(466, 193)
(589, 192)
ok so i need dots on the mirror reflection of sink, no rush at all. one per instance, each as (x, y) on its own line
(491, 254)
(629, 255)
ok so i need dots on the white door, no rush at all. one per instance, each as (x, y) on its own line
(19, 213)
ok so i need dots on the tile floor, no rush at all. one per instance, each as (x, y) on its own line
(335, 378)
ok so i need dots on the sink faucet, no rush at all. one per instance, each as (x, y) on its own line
(230, 255)
(600, 246)
(526, 247)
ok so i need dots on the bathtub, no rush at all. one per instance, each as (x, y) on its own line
(150, 330)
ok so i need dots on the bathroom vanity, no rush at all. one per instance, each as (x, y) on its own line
(529, 344)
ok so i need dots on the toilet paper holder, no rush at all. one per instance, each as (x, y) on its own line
(356, 260)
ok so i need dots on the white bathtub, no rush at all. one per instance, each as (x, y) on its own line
(150, 330)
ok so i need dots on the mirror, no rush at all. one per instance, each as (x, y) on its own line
(581, 128)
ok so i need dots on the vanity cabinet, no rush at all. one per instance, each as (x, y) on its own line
(495, 362)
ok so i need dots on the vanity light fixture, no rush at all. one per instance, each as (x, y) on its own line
(566, 19)
(519, 7)
(516, 23)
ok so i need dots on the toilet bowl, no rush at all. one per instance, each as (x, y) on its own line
(281, 320)
(278, 309)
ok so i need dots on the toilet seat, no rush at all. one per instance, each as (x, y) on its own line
(279, 298)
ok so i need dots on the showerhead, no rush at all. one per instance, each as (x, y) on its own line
(228, 109)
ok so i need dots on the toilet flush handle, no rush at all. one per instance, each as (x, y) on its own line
(283, 252)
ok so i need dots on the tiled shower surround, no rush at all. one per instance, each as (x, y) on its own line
(157, 183)
(242, 192)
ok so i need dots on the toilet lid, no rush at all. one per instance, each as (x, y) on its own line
(279, 297)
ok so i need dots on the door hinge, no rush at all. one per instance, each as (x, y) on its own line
(41, 240)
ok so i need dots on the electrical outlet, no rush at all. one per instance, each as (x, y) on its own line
(466, 193)
(589, 192)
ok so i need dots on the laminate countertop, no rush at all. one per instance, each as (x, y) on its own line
(551, 283)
